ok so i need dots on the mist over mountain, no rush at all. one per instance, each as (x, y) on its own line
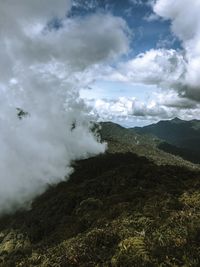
(75, 190)
(131, 206)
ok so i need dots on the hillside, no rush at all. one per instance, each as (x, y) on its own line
(184, 135)
(132, 140)
(118, 209)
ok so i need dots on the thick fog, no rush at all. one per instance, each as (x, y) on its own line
(44, 125)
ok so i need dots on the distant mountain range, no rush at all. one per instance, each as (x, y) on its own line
(180, 137)
(167, 142)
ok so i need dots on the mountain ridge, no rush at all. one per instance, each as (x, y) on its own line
(147, 144)
(118, 209)
(182, 136)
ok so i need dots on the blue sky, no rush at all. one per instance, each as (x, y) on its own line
(147, 31)
(113, 90)
(149, 80)
(146, 34)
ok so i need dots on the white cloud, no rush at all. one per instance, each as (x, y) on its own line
(157, 66)
(76, 44)
(185, 19)
(41, 71)
(175, 71)
(29, 11)
(171, 99)
(151, 17)
(161, 106)
(125, 107)
(169, 68)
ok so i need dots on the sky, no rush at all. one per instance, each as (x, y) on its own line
(67, 63)
(142, 86)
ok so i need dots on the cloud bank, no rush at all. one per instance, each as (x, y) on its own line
(161, 106)
(185, 24)
(175, 71)
(40, 63)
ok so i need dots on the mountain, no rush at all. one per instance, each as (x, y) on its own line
(181, 137)
(119, 209)
(143, 144)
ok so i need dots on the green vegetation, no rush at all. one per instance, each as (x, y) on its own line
(122, 140)
(117, 210)
(183, 137)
